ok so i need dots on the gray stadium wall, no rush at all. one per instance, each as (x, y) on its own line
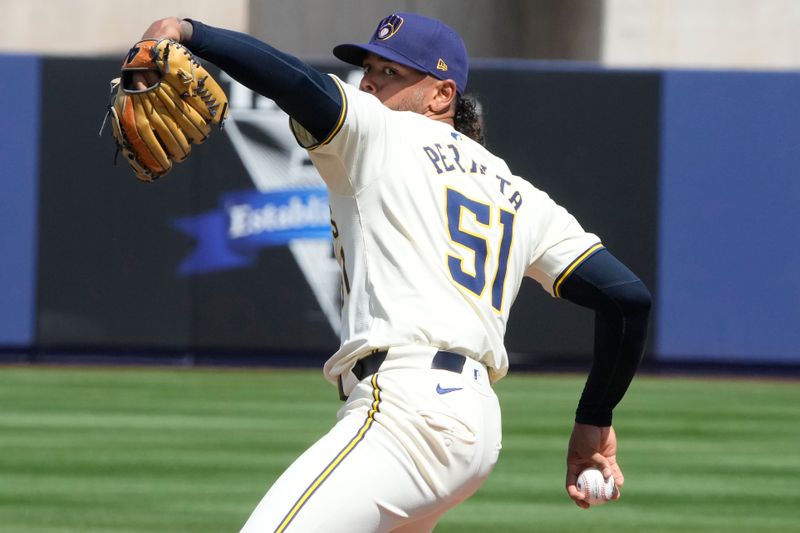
(656, 163)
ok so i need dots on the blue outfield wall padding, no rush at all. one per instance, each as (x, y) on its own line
(20, 78)
(730, 206)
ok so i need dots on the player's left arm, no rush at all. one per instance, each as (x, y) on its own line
(622, 307)
(309, 96)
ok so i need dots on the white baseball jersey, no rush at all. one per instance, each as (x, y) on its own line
(433, 234)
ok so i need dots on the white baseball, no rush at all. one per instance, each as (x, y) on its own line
(594, 488)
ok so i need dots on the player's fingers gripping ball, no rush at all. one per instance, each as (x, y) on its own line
(155, 126)
(595, 489)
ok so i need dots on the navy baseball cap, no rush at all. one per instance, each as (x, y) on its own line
(419, 42)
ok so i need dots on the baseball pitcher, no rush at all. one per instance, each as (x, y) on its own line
(433, 234)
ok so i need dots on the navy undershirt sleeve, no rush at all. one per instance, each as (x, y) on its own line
(307, 95)
(622, 307)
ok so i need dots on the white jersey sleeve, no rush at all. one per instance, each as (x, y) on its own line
(341, 153)
(562, 244)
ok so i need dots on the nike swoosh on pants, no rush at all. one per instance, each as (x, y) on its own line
(445, 390)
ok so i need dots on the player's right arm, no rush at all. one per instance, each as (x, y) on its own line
(622, 305)
(313, 99)
(572, 264)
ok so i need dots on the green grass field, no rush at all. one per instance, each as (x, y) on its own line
(171, 450)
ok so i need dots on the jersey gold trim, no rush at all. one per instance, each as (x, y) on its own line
(376, 400)
(334, 131)
(572, 266)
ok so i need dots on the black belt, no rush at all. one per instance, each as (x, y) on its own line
(370, 364)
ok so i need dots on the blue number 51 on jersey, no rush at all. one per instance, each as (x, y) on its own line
(474, 279)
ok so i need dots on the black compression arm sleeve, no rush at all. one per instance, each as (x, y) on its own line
(622, 307)
(307, 95)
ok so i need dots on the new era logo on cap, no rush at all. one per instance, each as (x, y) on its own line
(416, 41)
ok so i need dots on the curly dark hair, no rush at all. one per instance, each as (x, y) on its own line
(469, 118)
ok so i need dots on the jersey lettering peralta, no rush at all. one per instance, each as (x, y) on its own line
(433, 235)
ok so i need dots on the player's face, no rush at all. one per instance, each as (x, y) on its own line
(399, 87)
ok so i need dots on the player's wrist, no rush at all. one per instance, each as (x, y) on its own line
(186, 30)
(166, 28)
(594, 417)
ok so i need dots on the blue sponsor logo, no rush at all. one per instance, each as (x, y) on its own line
(247, 221)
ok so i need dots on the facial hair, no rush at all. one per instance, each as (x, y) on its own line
(410, 102)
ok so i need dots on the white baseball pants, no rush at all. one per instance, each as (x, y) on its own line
(410, 444)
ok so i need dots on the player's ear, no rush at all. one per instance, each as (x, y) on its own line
(444, 96)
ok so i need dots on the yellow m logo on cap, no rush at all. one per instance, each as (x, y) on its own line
(441, 65)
